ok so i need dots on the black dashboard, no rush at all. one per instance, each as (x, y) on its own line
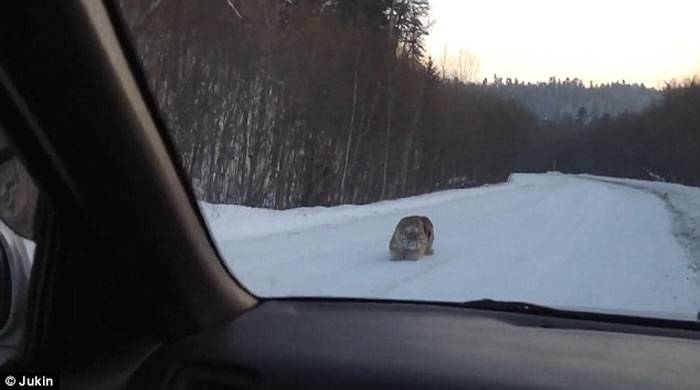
(332, 345)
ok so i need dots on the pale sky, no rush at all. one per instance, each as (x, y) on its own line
(599, 40)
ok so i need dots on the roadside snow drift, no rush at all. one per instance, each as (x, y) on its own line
(567, 241)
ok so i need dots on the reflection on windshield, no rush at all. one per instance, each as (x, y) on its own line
(439, 150)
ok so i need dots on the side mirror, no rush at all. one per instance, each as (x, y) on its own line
(16, 257)
(18, 200)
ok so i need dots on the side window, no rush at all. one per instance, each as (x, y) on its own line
(18, 205)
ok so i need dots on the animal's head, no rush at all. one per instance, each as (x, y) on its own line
(412, 233)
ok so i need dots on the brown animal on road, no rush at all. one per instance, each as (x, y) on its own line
(412, 239)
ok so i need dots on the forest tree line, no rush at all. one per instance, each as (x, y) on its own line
(288, 103)
(660, 143)
(560, 100)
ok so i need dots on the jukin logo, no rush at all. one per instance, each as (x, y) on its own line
(29, 381)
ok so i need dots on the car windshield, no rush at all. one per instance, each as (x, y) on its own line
(436, 150)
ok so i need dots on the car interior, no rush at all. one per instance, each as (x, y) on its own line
(127, 289)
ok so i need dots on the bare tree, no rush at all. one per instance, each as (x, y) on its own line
(389, 85)
(466, 67)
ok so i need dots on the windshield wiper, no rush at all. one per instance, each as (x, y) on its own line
(515, 307)
(529, 308)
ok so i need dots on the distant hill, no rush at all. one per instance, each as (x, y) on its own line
(571, 99)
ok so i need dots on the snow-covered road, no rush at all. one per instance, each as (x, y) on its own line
(551, 239)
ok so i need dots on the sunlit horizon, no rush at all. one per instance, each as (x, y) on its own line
(600, 41)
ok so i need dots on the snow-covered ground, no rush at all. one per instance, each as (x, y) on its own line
(580, 242)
